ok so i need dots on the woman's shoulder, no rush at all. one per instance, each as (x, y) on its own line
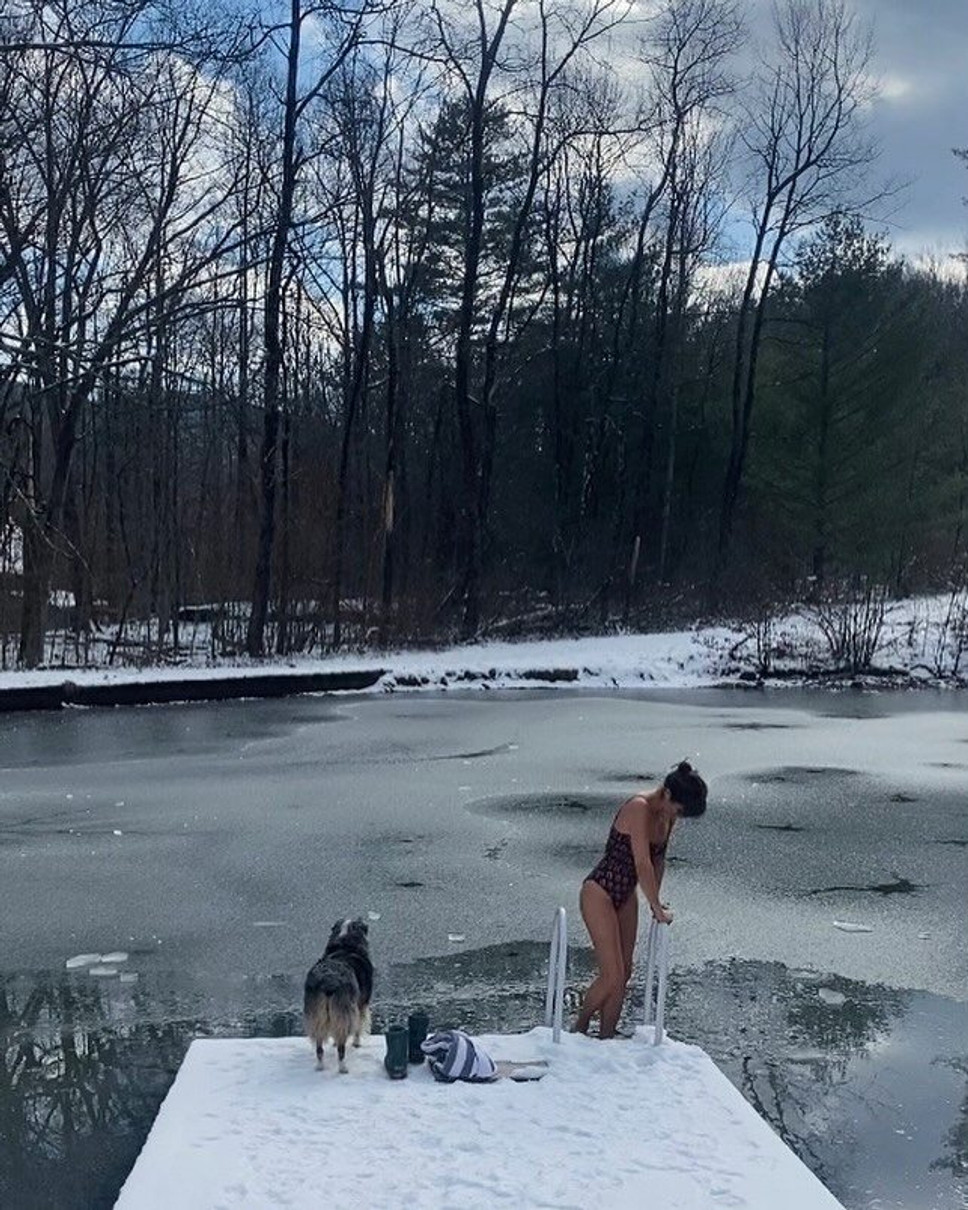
(637, 806)
(642, 801)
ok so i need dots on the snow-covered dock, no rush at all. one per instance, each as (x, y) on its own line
(250, 1123)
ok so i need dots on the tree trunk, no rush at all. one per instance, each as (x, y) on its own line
(390, 466)
(822, 469)
(268, 463)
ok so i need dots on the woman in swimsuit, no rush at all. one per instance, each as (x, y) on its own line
(634, 856)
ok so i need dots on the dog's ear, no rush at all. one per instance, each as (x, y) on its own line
(364, 928)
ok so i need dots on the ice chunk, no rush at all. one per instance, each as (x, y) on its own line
(455, 936)
(102, 972)
(114, 957)
(845, 926)
(79, 960)
(831, 997)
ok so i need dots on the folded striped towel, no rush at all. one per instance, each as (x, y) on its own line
(453, 1055)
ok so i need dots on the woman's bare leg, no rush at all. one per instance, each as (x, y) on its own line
(601, 921)
(628, 927)
(628, 924)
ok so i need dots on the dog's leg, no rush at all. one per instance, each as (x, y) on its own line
(341, 1052)
(362, 1026)
(319, 1056)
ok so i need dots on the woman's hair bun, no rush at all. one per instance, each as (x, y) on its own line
(687, 788)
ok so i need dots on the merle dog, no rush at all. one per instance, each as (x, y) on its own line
(336, 1003)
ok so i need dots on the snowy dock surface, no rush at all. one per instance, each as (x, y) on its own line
(251, 1123)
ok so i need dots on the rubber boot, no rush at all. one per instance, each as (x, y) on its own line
(418, 1026)
(398, 1038)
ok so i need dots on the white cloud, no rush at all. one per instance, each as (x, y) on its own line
(892, 87)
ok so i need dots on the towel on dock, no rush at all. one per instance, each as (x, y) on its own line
(453, 1055)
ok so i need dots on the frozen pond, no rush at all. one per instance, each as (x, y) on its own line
(214, 845)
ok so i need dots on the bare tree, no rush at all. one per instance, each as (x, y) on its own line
(488, 68)
(803, 134)
(108, 177)
(341, 28)
(688, 58)
(696, 214)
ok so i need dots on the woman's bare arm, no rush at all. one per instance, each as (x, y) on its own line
(659, 866)
(649, 877)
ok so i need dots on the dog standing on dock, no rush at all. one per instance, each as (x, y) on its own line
(336, 1003)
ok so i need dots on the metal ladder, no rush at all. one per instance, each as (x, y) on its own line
(656, 976)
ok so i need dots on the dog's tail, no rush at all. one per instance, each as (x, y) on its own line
(331, 1014)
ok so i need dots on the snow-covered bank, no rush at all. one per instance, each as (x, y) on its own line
(251, 1123)
(922, 640)
(679, 660)
(676, 660)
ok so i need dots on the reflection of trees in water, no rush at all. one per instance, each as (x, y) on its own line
(784, 1089)
(781, 1043)
(77, 1092)
(82, 1073)
(955, 1158)
(847, 1029)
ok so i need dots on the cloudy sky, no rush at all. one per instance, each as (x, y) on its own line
(921, 58)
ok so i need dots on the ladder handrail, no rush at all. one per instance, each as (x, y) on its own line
(656, 978)
(557, 962)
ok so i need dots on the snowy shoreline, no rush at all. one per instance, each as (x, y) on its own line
(911, 654)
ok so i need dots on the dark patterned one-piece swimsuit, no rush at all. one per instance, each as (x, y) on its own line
(615, 873)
